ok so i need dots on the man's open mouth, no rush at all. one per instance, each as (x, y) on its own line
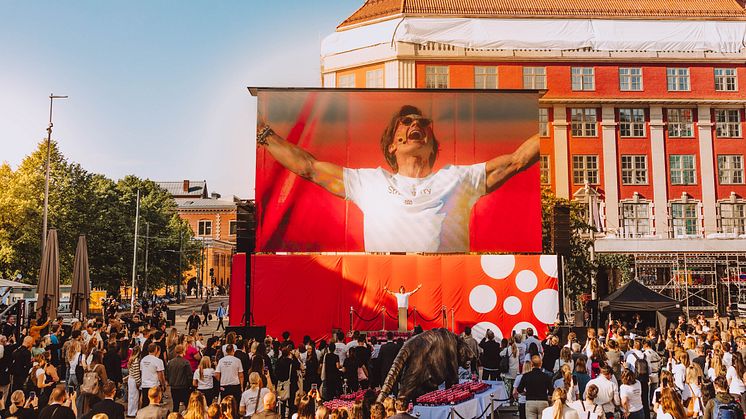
(416, 135)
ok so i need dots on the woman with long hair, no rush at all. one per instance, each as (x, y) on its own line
(213, 411)
(564, 358)
(580, 374)
(197, 406)
(559, 408)
(133, 380)
(735, 378)
(20, 407)
(670, 405)
(512, 352)
(307, 408)
(630, 394)
(74, 358)
(202, 379)
(113, 362)
(228, 408)
(692, 394)
(677, 366)
(311, 368)
(191, 352)
(584, 407)
(598, 359)
(521, 397)
(614, 357)
(42, 379)
(716, 366)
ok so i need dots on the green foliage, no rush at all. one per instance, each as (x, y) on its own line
(91, 204)
(620, 263)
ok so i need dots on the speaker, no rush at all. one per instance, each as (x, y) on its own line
(245, 226)
(249, 332)
(561, 232)
(171, 316)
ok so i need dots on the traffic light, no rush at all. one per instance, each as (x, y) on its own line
(212, 272)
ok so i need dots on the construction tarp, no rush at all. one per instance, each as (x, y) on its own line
(546, 34)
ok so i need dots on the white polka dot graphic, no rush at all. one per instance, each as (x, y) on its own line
(479, 330)
(523, 325)
(482, 299)
(549, 265)
(512, 305)
(526, 281)
(498, 266)
(546, 305)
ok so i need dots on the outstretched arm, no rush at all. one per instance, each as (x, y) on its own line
(502, 168)
(302, 163)
(416, 289)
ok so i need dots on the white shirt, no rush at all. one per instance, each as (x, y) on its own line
(678, 371)
(736, 383)
(587, 410)
(403, 214)
(631, 361)
(693, 390)
(633, 395)
(249, 400)
(341, 351)
(229, 367)
(149, 368)
(567, 413)
(402, 299)
(531, 339)
(351, 344)
(205, 383)
(608, 393)
(74, 364)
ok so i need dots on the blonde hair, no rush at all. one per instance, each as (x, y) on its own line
(197, 406)
(255, 380)
(559, 397)
(671, 404)
(74, 348)
(17, 399)
(204, 363)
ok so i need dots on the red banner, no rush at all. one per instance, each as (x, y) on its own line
(312, 294)
(398, 171)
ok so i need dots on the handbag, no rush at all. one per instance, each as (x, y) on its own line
(362, 375)
(283, 387)
(691, 406)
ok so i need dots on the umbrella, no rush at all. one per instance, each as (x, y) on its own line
(48, 290)
(81, 289)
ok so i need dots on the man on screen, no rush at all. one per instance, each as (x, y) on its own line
(412, 208)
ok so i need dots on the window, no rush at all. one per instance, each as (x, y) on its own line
(632, 122)
(678, 79)
(680, 123)
(728, 123)
(544, 173)
(346, 80)
(543, 122)
(636, 219)
(204, 228)
(682, 169)
(436, 76)
(684, 219)
(232, 227)
(485, 77)
(726, 80)
(583, 122)
(374, 78)
(534, 78)
(733, 217)
(630, 79)
(585, 169)
(635, 170)
(730, 170)
(583, 78)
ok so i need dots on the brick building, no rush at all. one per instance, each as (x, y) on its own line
(213, 222)
(643, 115)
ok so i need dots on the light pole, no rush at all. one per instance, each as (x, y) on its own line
(52, 97)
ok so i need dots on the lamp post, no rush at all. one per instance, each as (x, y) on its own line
(52, 97)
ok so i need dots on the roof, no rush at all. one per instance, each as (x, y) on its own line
(636, 296)
(204, 203)
(196, 188)
(14, 284)
(659, 9)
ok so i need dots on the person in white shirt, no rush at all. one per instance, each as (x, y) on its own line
(339, 348)
(634, 355)
(530, 338)
(230, 374)
(202, 379)
(413, 209)
(630, 394)
(151, 372)
(734, 375)
(608, 391)
(402, 304)
(588, 409)
(251, 399)
(559, 408)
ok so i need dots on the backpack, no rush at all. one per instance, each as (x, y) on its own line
(91, 382)
(641, 365)
(504, 362)
(730, 410)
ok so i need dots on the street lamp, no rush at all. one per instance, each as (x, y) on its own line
(52, 97)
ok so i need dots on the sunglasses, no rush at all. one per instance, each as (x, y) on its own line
(409, 120)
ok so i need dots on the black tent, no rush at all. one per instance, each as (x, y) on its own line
(636, 297)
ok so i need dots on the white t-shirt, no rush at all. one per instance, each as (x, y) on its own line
(206, 382)
(74, 364)
(633, 395)
(340, 349)
(678, 371)
(149, 367)
(229, 367)
(403, 214)
(402, 299)
(693, 390)
(587, 410)
(249, 400)
(736, 383)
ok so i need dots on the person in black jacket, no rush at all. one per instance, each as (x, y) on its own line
(386, 355)
(107, 406)
(490, 356)
(538, 388)
(21, 364)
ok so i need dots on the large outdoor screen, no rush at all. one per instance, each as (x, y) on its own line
(397, 171)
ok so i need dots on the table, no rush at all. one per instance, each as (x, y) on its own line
(469, 409)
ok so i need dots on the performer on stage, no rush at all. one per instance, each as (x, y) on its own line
(402, 303)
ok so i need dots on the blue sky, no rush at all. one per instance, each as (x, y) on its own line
(157, 88)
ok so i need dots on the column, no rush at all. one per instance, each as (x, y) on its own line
(391, 74)
(561, 152)
(611, 182)
(707, 169)
(659, 175)
(329, 79)
(407, 79)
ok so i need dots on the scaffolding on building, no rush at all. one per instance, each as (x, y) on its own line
(703, 282)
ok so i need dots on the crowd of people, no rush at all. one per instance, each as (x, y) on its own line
(131, 365)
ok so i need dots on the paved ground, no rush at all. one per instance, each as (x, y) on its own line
(184, 310)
